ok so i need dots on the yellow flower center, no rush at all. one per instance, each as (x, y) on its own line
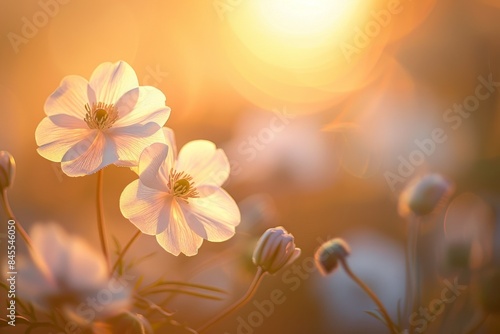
(100, 115)
(181, 185)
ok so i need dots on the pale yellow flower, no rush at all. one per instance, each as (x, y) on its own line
(106, 120)
(179, 199)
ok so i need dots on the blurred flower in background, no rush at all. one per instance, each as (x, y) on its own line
(290, 150)
(68, 275)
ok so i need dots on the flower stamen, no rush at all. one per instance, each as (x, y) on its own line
(100, 116)
(181, 185)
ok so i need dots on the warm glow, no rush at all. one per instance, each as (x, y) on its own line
(292, 33)
(290, 51)
(310, 18)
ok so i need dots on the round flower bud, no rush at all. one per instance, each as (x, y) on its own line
(328, 255)
(7, 169)
(275, 249)
(423, 195)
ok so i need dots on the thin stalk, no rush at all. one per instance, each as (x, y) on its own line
(242, 301)
(124, 250)
(11, 216)
(100, 216)
(29, 243)
(411, 269)
(371, 294)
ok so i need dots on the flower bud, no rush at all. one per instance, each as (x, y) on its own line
(328, 255)
(7, 169)
(275, 249)
(423, 195)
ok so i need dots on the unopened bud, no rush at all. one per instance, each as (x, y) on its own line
(7, 169)
(423, 195)
(328, 255)
(275, 249)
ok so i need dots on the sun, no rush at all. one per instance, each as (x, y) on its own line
(311, 18)
(292, 33)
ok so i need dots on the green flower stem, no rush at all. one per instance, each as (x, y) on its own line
(100, 216)
(11, 216)
(124, 250)
(242, 301)
(371, 294)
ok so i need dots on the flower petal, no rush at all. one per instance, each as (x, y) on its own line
(148, 209)
(70, 97)
(132, 140)
(204, 162)
(48, 241)
(54, 141)
(151, 172)
(214, 215)
(86, 268)
(89, 155)
(111, 80)
(142, 105)
(178, 236)
(68, 121)
(172, 147)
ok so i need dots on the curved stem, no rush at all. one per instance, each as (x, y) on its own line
(100, 216)
(11, 216)
(125, 249)
(371, 294)
(411, 269)
(408, 280)
(29, 243)
(242, 301)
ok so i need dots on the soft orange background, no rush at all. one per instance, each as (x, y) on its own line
(321, 176)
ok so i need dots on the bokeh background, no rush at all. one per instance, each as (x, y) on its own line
(316, 103)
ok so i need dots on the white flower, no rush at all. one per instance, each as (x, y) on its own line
(107, 120)
(179, 199)
(66, 273)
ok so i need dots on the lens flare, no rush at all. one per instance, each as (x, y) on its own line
(311, 54)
